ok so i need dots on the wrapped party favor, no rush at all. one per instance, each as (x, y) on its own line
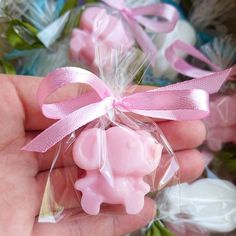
(116, 156)
(107, 138)
(35, 35)
(221, 122)
(201, 23)
(121, 24)
(220, 147)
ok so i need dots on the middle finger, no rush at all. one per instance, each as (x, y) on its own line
(181, 136)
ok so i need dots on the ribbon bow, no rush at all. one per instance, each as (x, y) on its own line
(182, 101)
(138, 16)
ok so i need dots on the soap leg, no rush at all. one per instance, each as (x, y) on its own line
(91, 199)
(91, 202)
(142, 186)
(88, 180)
(134, 203)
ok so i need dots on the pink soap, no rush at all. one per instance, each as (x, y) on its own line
(222, 111)
(221, 123)
(217, 136)
(79, 47)
(115, 160)
(109, 28)
(98, 28)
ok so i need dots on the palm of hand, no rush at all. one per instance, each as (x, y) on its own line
(23, 175)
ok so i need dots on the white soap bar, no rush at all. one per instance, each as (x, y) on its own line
(207, 204)
(184, 32)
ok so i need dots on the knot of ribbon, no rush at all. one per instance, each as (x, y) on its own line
(166, 17)
(182, 101)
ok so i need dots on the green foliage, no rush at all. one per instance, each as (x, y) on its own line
(70, 4)
(158, 229)
(22, 35)
(7, 67)
(226, 158)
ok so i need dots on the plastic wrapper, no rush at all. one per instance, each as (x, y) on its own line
(5, 66)
(221, 123)
(99, 25)
(202, 24)
(40, 61)
(115, 159)
(40, 15)
(107, 25)
(209, 17)
(206, 206)
(37, 32)
(220, 146)
(162, 73)
(219, 149)
(33, 22)
(4, 45)
(221, 50)
(194, 215)
(199, 27)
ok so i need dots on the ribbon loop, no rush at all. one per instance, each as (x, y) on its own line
(165, 15)
(127, 11)
(63, 76)
(182, 101)
(137, 17)
(182, 66)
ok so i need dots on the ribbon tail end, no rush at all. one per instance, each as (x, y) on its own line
(31, 148)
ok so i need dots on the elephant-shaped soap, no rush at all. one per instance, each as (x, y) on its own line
(98, 29)
(116, 161)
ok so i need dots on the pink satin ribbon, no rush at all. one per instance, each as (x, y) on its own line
(135, 17)
(182, 101)
(182, 66)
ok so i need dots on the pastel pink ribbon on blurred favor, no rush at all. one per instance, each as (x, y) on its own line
(81, 41)
(139, 17)
(98, 30)
(182, 66)
(188, 100)
(222, 120)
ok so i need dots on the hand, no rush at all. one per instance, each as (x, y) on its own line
(23, 174)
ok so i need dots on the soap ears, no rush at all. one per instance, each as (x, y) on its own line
(87, 149)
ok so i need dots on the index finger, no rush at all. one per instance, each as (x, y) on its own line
(27, 86)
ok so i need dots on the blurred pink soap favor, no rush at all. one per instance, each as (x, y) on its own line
(221, 123)
(98, 28)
